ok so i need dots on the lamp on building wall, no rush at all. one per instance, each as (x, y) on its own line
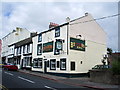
(78, 36)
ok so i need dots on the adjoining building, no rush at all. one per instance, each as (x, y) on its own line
(23, 53)
(72, 48)
(14, 44)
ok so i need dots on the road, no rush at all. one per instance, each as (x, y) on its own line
(17, 80)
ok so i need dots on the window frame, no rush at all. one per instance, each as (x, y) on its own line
(39, 63)
(57, 32)
(72, 69)
(62, 63)
(28, 48)
(35, 60)
(52, 61)
(23, 49)
(39, 45)
(40, 37)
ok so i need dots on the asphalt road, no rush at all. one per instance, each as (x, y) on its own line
(17, 80)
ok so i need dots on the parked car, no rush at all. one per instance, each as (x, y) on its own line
(10, 66)
(101, 67)
(1, 65)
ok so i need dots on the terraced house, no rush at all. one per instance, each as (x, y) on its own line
(71, 48)
(17, 48)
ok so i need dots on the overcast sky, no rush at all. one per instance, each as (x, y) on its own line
(36, 16)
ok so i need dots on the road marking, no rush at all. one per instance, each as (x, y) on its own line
(3, 87)
(50, 88)
(9, 73)
(26, 79)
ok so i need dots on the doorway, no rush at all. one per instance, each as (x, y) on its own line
(45, 65)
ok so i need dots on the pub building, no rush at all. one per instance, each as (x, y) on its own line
(69, 49)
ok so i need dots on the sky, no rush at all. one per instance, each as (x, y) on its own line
(36, 16)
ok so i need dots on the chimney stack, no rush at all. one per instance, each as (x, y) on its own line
(86, 14)
(67, 19)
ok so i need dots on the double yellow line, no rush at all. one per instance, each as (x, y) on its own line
(3, 87)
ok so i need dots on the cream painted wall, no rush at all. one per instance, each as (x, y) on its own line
(91, 57)
(88, 30)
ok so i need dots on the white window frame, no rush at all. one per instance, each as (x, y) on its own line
(63, 64)
(35, 61)
(53, 64)
(40, 63)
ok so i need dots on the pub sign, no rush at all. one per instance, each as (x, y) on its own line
(77, 44)
(48, 47)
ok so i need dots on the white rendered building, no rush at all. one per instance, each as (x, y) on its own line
(71, 48)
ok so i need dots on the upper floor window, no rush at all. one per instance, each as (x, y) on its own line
(28, 48)
(57, 32)
(40, 37)
(19, 50)
(39, 49)
(24, 49)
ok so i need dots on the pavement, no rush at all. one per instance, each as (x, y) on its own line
(79, 81)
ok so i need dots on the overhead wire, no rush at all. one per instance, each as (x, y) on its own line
(96, 19)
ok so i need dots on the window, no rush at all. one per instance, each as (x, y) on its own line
(37, 63)
(28, 48)
(53, 64)
(39, 49)
(63, 64)
(72, 65)
(40, 37)
(58, 64)
(57, 32)
(23, 49)
(17, 51)
(20, 50)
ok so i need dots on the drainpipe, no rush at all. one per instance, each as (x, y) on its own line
(68, 21)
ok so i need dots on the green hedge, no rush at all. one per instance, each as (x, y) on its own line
(116, 67)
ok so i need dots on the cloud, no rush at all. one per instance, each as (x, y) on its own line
(36, 16)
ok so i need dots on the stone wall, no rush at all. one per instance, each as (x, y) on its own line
(104, 76)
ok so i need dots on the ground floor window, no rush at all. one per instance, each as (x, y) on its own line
(37, 63)
(27, 61)
(40, 62)
(53, 64)
(63, 64)
(72, 66)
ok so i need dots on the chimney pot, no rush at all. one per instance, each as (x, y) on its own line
(86, 14)
(68, 19)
